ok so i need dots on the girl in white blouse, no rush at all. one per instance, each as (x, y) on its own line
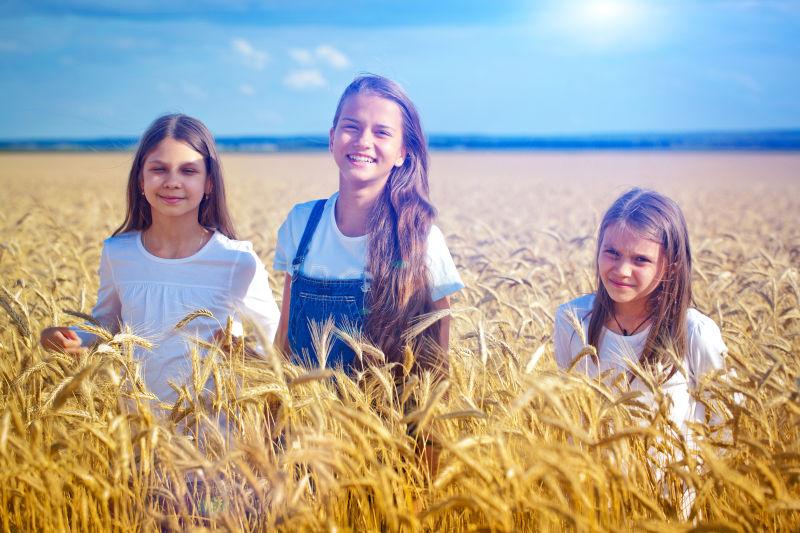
(641, 308)
(175, 253)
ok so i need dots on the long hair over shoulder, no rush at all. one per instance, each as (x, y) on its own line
(213, 213)
(656, 217)
(398, 231)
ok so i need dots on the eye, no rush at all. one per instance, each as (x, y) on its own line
(610, 252)
(157, 170)
(349, 127)
(190, 170)
(643, 259)
(383, 133)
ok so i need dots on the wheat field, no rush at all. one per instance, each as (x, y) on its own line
(522, 445)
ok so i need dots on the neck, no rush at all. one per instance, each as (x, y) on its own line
(174, 240)
(631, 311)
(629, 317)
(354, 206)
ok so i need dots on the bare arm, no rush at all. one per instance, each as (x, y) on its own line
(282, 336)
(428, 451)
(444, 323)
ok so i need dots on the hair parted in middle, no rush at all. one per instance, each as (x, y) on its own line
(213, 213)
(658, 218)
(398, 231)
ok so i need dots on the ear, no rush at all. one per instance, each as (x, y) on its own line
(330, 140)
(209, 185)
(401, 159)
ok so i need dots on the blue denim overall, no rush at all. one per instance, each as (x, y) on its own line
(317, 300)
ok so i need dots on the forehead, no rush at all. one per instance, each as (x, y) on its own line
(173, 150)
(623, 238)
(372, 108)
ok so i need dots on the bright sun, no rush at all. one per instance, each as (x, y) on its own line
(603, 22)
(606, 9)
(603, 12)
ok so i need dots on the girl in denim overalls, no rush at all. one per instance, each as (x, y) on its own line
(369, 257)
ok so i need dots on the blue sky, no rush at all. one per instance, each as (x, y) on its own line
(92, 68)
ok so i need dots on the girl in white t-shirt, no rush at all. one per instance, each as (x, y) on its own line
(368, 257)
(641, 310)
(175, 253)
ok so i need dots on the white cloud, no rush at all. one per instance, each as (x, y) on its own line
(247, 89)
(301, 55)
(324, 53)
(250, 55)
(334, 57)
(305, 79)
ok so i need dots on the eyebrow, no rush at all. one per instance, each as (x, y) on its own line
(160, 162)
(356, 121)
(608, 246)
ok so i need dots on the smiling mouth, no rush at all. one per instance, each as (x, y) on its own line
(358, 158)
(620, 284)
(171, 198)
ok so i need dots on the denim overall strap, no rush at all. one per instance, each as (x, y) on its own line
(305, 240)
(314, 301)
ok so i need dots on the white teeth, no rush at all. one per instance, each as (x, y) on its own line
(360, 158)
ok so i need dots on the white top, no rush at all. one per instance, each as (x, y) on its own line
(152, 294)
(333, 255)
(706, 352)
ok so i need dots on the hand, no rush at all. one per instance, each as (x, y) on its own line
(61, 339)
(221, 339)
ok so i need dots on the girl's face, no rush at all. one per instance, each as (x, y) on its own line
(630, 266)
(174, 180)
(367, 141)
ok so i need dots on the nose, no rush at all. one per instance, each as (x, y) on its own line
(171, 181)
(364, 138)
(623, 268)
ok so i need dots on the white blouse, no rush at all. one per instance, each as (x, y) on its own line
(151, 295)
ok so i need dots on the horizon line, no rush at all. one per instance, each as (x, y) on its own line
(757, 139)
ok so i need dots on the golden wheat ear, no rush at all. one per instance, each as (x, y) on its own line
(193, 315)
(353, 336)
(20, 320)
(83, 316)
(423, 322)
(321, 337)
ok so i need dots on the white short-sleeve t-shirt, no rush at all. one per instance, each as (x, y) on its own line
(333, 255)
(706, 351)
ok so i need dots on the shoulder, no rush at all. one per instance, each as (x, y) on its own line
(239, 253)
(706, 347)
(122, 240)
(701, 327)
(435, 233)
(436, 242)
(580, 307)
(435, 237)
(122, 243)
(299, 214)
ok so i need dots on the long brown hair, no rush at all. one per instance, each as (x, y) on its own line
(398, 233)
(652, 216)
(213, 213)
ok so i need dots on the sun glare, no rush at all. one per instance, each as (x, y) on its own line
(606, 10)
(601, 23)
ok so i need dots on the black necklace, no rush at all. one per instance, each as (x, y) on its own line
(625, 331)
